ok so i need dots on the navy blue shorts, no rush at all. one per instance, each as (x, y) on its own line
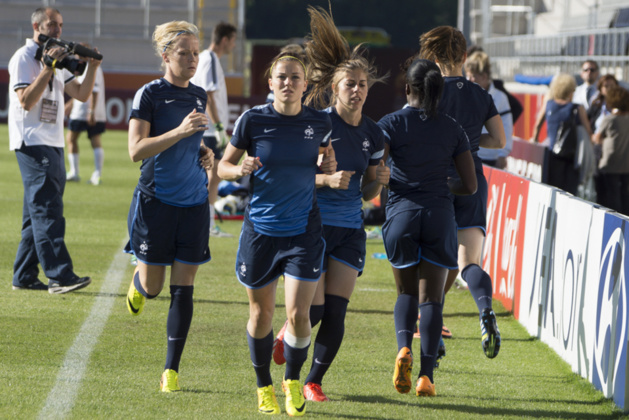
(471, 210)
(81, 125)
(345, 245)
(161, 234)
(428, 233)
(212, 143)
(261, 258)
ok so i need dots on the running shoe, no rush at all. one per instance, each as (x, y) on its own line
(216, 232)
(425, 388)
(72, 177)
(490, 336)
(169, 381)
(278, 346)
(94, 179)
(295, 401)
(313, 392)
(403, 369)
(267, 403)
(57, 287)
(441, 352)
(36, 285)
(135, 300)
(445, 332)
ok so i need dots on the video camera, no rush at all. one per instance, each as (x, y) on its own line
(73, 65)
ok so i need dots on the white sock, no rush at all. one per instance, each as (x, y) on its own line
(212, 214)
(99, 158)
(73, 160)
(296, 342)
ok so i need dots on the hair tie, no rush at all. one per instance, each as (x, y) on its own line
(170, 42)
(294, 58)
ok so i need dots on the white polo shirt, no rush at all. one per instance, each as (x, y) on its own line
(80, 109)
(43, 124)
(210, 77)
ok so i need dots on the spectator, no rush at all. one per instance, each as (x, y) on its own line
(585, 93)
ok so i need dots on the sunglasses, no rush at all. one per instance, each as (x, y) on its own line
(593, 70)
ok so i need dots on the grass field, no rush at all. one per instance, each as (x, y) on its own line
(82, 356)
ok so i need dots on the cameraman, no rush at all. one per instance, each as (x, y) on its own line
(36, 97)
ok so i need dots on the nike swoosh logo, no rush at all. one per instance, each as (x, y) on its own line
(300, 409)
(333, 140)
(317, 361)
(316, 270)
(169, 100)
(174, 338)
(268, 130)
(134, 310)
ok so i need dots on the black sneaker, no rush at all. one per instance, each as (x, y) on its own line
(36, 285)
(76, 283)
(441, 353)
(490, 336)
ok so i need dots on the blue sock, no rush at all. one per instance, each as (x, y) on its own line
(405, 316)
(479, 284)
(329, 337)
(295, 359)
(139, 288)
(316, 313)
(430, 329)
(178, 324)
(261, 352)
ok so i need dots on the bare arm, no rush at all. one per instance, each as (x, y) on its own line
(374, 179)
(467, 183)
(141, 146)
(495, 136)
(211, 108)
(541, 117)
(230, 168)
(82, 91)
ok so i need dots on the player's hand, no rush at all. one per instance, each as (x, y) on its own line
(249, 165)
(193, 123)
(383, 173)
(328, 163)
(340, 180)
(206, 157)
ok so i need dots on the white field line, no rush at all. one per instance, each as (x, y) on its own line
(61, 398)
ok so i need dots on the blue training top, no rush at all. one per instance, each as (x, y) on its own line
(355, 149)
(471, 106)
(421, 151)
(282, 190)
(174, 176)
(556, 114)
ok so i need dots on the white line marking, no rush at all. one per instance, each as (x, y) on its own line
(62, 396)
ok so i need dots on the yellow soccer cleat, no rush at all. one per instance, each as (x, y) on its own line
(295, 401)
(267, 403)
(169, 381)
(135, 300)
(403, 369)
(425, 388)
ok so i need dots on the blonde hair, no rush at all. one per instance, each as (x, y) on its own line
(330, 58)
(166, 33)
(478, 63)
(562, 86)
(445, 46)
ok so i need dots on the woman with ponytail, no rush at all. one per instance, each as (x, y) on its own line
(340, 79)
(419, 233)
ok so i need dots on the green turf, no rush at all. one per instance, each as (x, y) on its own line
(527, 379)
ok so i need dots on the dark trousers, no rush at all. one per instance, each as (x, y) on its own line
(562, 174)
(43, 225)
(614, 191)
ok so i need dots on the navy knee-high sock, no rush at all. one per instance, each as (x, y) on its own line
(178, 324)
(405, 316)
(430, 329)
(295, 359)
(329, 337)
(261, 352)
(479, 284)
(316, 313)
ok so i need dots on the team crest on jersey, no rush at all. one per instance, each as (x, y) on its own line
(243, 270)
(366, 145)
(45, 161)
(143, 248)
(459, 85)
(309, 133)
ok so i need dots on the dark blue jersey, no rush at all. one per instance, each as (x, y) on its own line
(174, 176)
(421, 151)
(471, 106)
(282, 190)
(355, 149)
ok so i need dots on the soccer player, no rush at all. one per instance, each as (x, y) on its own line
(210, 77)
(169, 216)
(473, 108)
(87, 116)
(420, 232)
(281, 232)
(340, 77)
